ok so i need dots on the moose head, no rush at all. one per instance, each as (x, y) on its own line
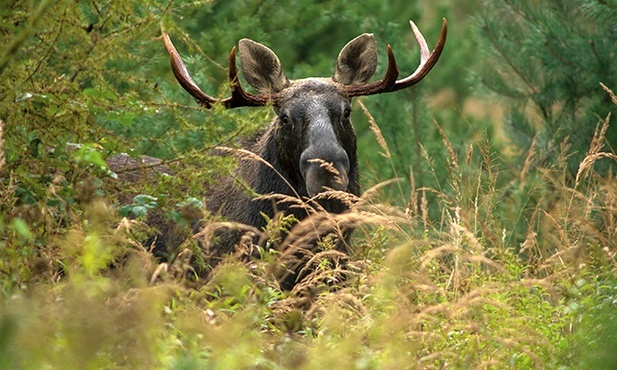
(312, 131)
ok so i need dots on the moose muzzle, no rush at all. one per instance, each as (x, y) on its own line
(326, 171)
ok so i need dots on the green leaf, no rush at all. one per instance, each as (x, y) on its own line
(99, 93)
(123, 118)
(139, 211)
(87, 153)
(125, 211)
(145, 200)
(20, 226)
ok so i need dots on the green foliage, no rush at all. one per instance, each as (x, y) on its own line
(140, 206)
(548, 61)
(469, 257)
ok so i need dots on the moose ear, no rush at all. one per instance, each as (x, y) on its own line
(261, 67)
(357, 61)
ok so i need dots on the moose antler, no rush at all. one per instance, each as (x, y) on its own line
(239, 97)
(389, 82)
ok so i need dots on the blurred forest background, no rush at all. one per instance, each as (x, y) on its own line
(501, 162)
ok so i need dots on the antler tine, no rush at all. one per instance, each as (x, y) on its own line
(378, 86)
(389, 82)
(427, 59)
(239, 97)
(183, 76)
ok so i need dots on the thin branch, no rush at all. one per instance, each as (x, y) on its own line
(51, 47)
(508, 60)
(21, 38)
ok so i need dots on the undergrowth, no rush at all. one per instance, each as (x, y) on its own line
(459, 292)
(494, 265)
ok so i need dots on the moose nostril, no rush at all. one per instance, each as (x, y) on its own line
(320, 174)
(326, 168)
(332, 160)
(318, 180)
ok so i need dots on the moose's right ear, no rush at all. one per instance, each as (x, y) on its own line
(261, 67)
(357, 61)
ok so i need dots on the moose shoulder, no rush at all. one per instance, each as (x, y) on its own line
(310, 147)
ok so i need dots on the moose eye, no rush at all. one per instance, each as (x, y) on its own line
(284, 119)
(346, 113)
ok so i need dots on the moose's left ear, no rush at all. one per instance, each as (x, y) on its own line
(357, 61)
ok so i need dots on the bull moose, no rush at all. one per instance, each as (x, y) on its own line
(310, 146)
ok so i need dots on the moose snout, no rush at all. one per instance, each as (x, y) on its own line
(325, 172)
